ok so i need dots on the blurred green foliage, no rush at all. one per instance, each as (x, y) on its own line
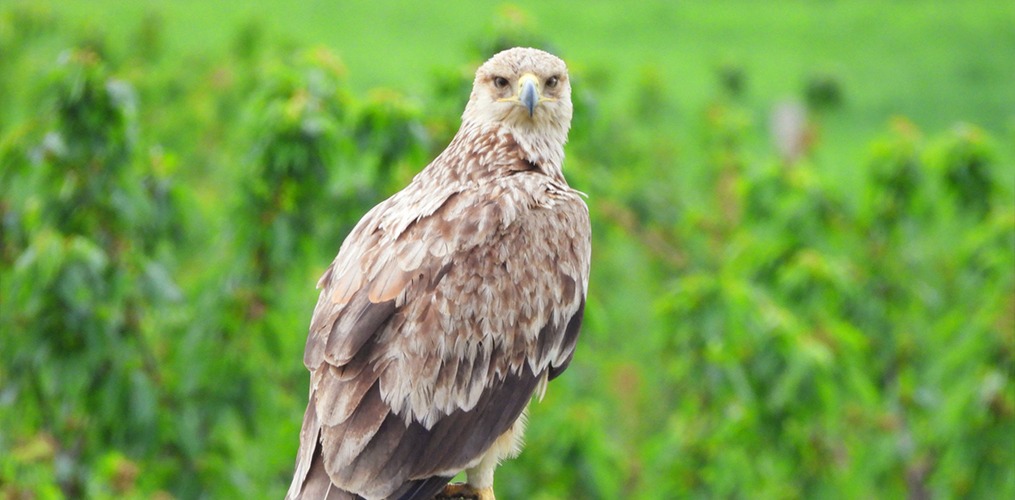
(756, 327)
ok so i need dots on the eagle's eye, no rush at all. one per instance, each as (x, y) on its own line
(500, 82)
(552, 81)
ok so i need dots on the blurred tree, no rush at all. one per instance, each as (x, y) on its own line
(965, 159)
(299, 119)
(724, 127)
(88, 376)
(897, 175)
(390, 133)
(732, 79)
(823, 91)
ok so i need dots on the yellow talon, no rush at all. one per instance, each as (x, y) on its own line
(463, 491)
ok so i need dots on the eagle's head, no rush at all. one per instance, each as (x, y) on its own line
(526, 90)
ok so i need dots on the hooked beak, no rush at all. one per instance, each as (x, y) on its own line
(528, 92)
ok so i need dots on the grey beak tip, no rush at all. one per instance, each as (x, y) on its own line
(529, 98)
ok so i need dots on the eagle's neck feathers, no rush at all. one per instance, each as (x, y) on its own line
(482, 152)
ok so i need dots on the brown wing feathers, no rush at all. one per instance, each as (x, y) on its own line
(568, 341)
(364, 439)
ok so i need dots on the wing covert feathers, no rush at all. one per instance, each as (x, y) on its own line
(446, 308)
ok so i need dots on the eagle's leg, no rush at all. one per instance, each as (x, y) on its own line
(462, 491)
(479, 479)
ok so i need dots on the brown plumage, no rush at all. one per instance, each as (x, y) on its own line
(452, 302)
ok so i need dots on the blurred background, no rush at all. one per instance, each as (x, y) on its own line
(803, 216)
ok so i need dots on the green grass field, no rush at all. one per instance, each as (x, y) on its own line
(174, 177)
(937, 63)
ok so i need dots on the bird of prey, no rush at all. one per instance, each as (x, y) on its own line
(451, 303)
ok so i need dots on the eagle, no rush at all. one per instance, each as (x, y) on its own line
(451, 304)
